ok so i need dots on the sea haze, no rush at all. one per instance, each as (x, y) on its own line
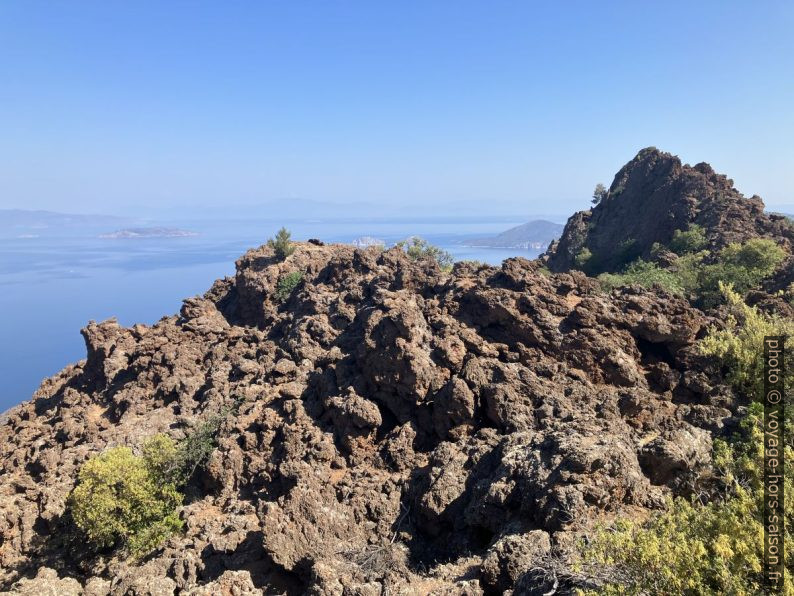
(54, 278)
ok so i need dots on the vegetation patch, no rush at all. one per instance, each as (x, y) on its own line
(716, 547)
(739, 345)
(125, 498)
(628, 251)
(693, 239)
(286, 284)
(133, 500)
(582, 259)
(419, 249)
(741, 266)
(599, 194)
(282, 244)
(644, 274)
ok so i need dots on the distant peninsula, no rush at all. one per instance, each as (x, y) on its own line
(536, 234)
(155, 232)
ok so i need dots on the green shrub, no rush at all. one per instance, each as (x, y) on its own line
(544, 271)
(691, 549)
(657, 248)
(286, 284)
(742, 266)
(159, 452)
(419, 249)
(628, 251)
(687, 268)
(196, 448)
(645, 274)
(689, 241)
(582, 258)
(739, 346)
(716, 548)
(281, 244)
(123, 498)
(129, 500)
(760, 255)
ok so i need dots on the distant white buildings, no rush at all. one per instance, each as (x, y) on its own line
(365, 241)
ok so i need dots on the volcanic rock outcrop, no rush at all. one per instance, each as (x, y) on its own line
(650, 198)
(400, 429)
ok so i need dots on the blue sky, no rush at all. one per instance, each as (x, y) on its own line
(121, 107)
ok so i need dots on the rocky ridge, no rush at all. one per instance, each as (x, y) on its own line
(650, 198)
(401, 430)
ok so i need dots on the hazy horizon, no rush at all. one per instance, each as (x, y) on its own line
(289, 210)
(113, 108)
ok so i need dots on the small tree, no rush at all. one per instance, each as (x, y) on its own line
(599, 193)
(281, 244)
(286, 284)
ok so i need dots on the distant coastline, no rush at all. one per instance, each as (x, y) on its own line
(537, 235)
(129, 233)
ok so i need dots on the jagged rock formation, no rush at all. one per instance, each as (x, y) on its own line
(652, 196)
(402, 430)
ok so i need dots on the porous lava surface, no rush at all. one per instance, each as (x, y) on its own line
(650, 198)
(401, 430)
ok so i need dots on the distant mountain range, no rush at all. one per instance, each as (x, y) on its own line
(535, 234)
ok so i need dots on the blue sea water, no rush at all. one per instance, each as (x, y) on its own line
(51, 286)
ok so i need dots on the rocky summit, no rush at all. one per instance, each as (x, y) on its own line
(390, 428)
(650, 198)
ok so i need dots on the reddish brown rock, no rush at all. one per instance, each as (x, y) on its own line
(650, 198)
(399, 429)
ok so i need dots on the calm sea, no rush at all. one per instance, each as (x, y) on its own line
(52, 286)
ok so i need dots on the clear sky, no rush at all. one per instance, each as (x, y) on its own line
(116, 106)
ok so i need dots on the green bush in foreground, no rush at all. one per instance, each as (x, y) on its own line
(281, 244)
(716, 548)
(129, 500)
(121, 497)
(286, 284)
(740, 345)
